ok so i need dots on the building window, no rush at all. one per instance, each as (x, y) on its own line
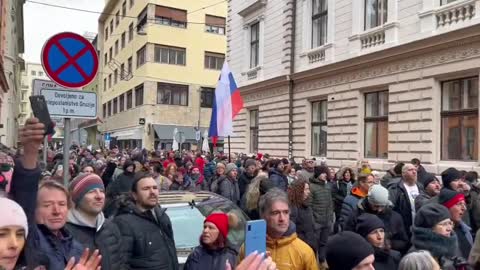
(253, 131)
(40, 73)
(106, 33)
(376, 125)
(460, 119)
(117, 18)
(106, 58)
(444, 2)
(110, 54)
(122, 71)
(24, 95)
(123, 39)
(207, 97)
(214, 60)
(130, 32)
(214, 24)
(375, 13)
(109, 81)
(170, 16)
(124, 9)
(141, 56)
(319, 128)
(172, 94)
(111, 27)
(129, 99)
(104, 84)
(115, 105)
(132, 2)
(116, 47)
(122, 102)
(109, 108)
(34, 73)
(139, 95)
(169, 55)
(115, 77)
(142, 19)
(104, 110)
(254, 44)
(319, 22)
(129, 65)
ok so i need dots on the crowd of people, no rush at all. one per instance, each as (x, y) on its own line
(317, 217)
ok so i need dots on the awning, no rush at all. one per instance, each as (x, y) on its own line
(165, 132)
(130, 134)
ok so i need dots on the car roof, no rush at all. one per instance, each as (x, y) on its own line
(174, 197)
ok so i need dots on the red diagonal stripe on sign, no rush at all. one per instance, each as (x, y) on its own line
(71, 60)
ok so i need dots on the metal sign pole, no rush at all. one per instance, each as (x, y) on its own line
(66, 155)
(45, 149)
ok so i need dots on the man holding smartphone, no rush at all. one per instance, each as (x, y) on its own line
(288, 251)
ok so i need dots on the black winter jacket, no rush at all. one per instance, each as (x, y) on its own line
(202, 258)
(398, 195)
(278, 179)
(148, 240)
(386, 259)
(243, 181)
(121, 186)
(107, 240)
(303, 218)
(394, 227)
(340, 190)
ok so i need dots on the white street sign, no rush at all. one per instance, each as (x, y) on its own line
(71, 103)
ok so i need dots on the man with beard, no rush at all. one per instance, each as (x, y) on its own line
(308, 167)
(198, 180)
(432, 188)
(87, 223)
(146, 228)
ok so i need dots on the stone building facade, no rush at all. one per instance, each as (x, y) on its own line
(398, 86)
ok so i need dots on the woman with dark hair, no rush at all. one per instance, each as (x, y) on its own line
(213, 251)
(301, 213)
(88, 169)
(342, 187)
(276, 175)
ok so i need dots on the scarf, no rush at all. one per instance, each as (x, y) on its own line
(438, 245)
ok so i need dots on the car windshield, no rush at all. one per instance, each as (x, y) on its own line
(187, 224)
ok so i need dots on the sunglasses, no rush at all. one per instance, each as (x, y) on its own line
(4, 167)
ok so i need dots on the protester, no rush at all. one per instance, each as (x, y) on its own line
(432, 188)
(198, 180)
(403, 194)
(181, 182)
(418, 260)
(372, 229)
(378, 204)
(200, 163)
(422, 174)
(349, 251)
(119, 168)
(322, 206)
(287, 250)
(474, 257)
(393, 175)
(247, 176)
(13, 234)
(307, 170)
(433, 231)
(359, 191)
(213, 251)
(87, 169)
(455, 202)
(341, 188)
(143, 223)
(258, 187)
(119, 187)
(228, 184)
(87, 222)
(278, 179)
(301, 213)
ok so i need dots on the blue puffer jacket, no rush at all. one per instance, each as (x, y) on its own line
(278, 179)
(42, 247)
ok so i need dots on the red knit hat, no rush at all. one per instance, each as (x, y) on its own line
(221, 221)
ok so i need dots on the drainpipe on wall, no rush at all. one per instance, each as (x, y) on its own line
(291, 83)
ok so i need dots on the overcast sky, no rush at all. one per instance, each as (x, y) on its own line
(41, 22)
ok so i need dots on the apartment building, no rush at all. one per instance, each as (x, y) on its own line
(382, 80)
(160, 62)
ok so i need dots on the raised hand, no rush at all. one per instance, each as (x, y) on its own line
(254, 261)
(86, 262)
(31, 137)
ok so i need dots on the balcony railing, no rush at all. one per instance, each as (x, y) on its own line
(316, 56)
(455, 12)
(373, 38)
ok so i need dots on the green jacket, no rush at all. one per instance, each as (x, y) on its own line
(321, 201)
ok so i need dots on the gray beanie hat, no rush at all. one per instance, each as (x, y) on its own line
(230, 167)
(378, 195)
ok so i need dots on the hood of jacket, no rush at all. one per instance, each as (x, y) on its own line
(275, 171)
(288, 237)
(317, 181)
(438, 245)
(356, 191)
(342, 171)
(75, 217)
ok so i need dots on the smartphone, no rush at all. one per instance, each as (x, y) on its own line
(256, 236)
(40, 111)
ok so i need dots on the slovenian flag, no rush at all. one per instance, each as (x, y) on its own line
(226, 105)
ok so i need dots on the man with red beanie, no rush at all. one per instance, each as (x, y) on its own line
(455, 202)
(213, 251)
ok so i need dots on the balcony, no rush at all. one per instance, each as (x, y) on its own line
(455, 13)
(373, 39)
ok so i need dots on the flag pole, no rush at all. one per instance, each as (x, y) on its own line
(229, 156)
